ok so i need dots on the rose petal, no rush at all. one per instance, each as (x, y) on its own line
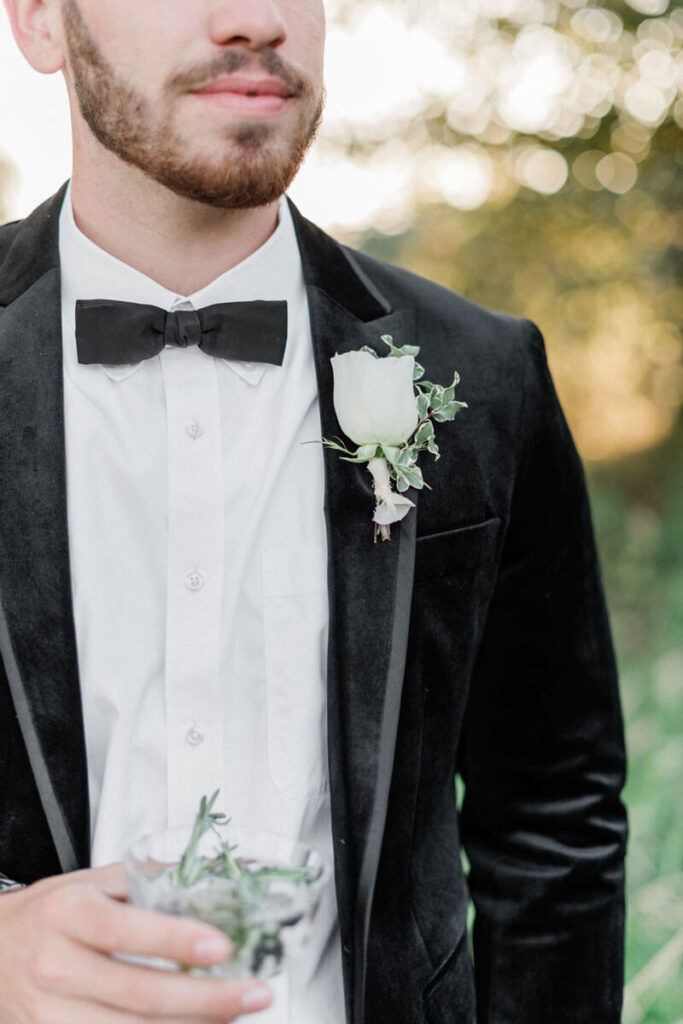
(374, 398)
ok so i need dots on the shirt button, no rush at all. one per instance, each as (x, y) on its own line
(194, 736)
(194, 429)
(194, 580)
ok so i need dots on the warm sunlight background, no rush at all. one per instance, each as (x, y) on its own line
(526, 153)
(472, 105)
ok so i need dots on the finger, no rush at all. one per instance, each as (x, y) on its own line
(96, 921)
(76, 1012)
(110, 879)
(69, 1011)
(158, 993)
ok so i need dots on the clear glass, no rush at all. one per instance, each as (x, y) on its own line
(268, 918)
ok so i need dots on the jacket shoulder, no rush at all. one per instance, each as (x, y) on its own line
(445, 319)
(8, 232)
(29, 248)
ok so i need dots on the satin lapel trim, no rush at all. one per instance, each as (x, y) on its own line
(61, 834)
(37, 635)
(402, 598)
(370, 588)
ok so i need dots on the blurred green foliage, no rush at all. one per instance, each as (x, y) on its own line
(638, 511)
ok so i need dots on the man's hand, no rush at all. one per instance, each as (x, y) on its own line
(56, 967)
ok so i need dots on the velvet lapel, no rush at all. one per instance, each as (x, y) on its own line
(370, 588)
(37, 638)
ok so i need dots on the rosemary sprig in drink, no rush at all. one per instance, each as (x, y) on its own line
(234, 893)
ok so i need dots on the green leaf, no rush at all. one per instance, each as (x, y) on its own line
(446, 413)
(434, 449)
(407, 457)
(403, 350)
(449, 395)
(456, 378)
(425, 433)
(422, 405)
(191, 867)
(391, 454)
(436, 397)
(367, 451)
(449, 411)
(410, 477)
(418, 371)
(337, 447)
(389, 341)
(370, 351)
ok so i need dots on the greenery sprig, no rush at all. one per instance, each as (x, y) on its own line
(435, 404)
(242, 908)
(194, 867)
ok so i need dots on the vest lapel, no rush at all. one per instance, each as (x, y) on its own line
(37, 637)
(370, 588)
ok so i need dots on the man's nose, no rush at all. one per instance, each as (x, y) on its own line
(255, 24)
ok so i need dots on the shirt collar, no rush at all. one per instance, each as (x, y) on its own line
(272, 272)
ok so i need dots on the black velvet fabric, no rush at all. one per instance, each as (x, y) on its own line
(508, 674)
(35, 586)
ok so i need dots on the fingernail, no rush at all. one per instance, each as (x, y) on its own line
(256, 998)
(213, 949)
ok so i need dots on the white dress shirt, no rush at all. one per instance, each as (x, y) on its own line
(198, 561)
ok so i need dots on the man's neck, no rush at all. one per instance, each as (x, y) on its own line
(179, 243)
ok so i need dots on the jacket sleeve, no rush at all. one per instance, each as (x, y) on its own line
(7, 884)
(542, 754)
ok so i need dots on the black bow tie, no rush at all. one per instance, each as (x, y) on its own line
(127, 332)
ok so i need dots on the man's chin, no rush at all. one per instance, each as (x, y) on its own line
(226, 188)
(226, 162)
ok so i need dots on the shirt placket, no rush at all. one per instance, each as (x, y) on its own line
(194, 700)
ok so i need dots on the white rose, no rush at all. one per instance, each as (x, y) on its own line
(374, 398)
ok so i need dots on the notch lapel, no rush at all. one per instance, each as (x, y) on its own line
(37, 636)
(370, 587)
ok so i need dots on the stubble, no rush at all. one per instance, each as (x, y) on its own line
(252, 166)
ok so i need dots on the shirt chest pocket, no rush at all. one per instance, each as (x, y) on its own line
(295, 615)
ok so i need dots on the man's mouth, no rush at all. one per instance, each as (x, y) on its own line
(246, 95)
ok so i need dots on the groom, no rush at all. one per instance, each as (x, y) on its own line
(191, 599)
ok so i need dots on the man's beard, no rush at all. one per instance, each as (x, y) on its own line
(257, 170)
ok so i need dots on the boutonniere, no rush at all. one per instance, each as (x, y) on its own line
(383, 409)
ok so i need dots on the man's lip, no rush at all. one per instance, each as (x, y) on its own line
(244, 86)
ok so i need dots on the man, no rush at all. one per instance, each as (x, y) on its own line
(191, 597)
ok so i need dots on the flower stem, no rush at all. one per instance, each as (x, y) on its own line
(382, 531)
(420, 425)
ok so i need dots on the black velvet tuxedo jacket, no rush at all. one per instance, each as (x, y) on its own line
(475, 641)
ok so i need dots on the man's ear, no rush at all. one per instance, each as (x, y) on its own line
(37, 29)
